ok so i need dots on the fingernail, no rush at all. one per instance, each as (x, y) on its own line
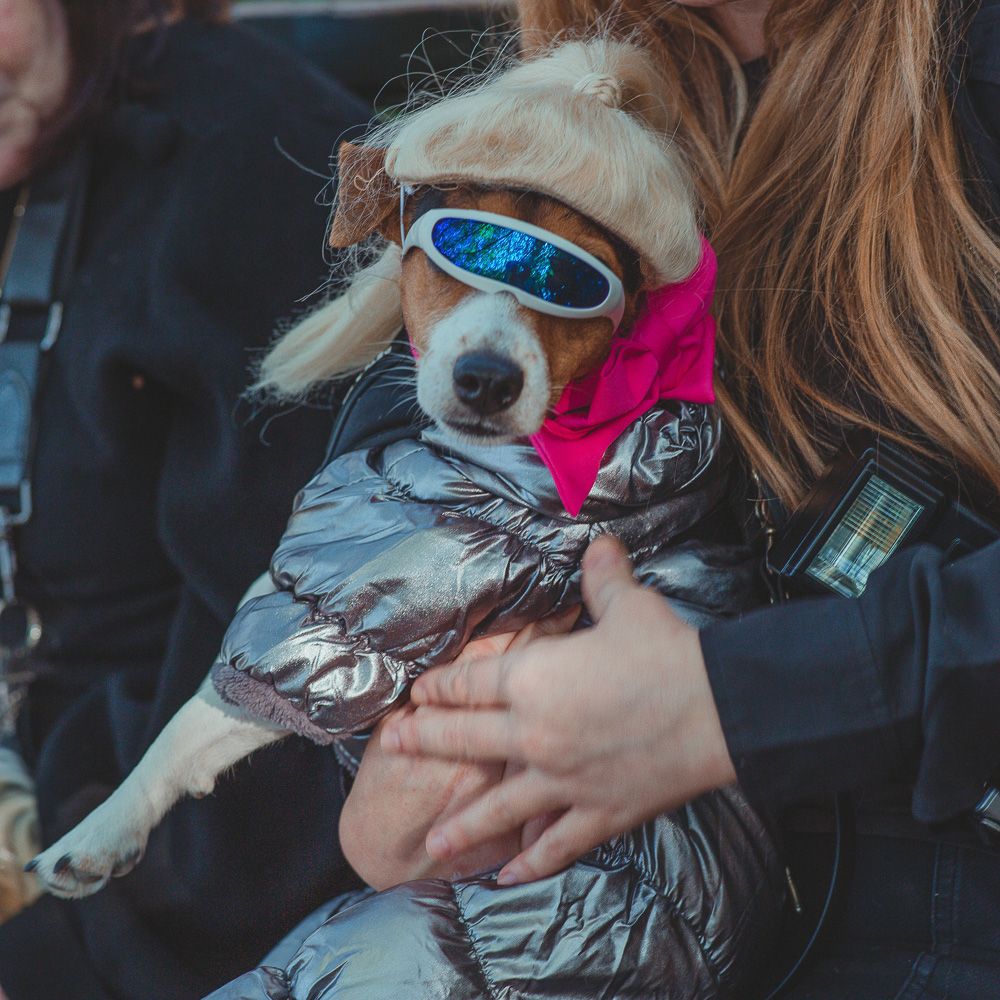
(438, 846)
(390, 739)
(507, 877)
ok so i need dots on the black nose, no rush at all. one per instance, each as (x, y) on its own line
(487, 383)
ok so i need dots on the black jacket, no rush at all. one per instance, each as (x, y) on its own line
(831, 693)
(159, 497)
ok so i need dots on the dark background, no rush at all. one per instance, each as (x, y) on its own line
(374, 46)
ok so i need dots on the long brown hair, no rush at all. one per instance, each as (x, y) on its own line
(852, 265)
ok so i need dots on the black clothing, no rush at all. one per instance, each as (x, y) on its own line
(159, 497)
(977, 105)
(910, 668)
(913, 666)
(922, 923)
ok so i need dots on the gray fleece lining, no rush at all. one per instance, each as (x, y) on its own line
(260, 699)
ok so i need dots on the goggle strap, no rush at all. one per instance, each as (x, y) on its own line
(405, 190)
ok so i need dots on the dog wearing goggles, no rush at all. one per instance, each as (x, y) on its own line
(511, 296)
(539, 245)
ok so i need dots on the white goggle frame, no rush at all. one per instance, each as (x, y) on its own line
(420, 235)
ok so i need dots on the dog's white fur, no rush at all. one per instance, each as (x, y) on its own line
(484, 322)
(204, 739)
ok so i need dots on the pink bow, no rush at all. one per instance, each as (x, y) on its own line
(669, 354)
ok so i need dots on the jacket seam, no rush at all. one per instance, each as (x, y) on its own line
(491, 985)
(360, 640)
(410, 668)
(362, 647)
(888, 736)
(282, 976)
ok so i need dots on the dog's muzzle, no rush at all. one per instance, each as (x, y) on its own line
(487, 383)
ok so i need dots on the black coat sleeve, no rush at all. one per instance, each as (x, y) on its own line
(830, 693)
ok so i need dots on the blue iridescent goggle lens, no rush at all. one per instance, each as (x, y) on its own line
(521, 261)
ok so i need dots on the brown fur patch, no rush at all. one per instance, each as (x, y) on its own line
(367, 198)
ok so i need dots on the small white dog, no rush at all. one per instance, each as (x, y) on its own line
(602, 206)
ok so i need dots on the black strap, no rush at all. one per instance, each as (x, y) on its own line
(44, 254)
(804, 945)
(43, 241)
(38, 260)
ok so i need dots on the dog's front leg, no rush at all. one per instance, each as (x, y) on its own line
(205, 738)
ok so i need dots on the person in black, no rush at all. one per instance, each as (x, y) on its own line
(894, 694)
(159, 493)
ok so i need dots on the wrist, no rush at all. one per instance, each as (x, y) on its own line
(702, 735)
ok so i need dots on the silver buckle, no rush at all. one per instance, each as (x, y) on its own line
(29, 630)
(988, 810)
(20, 633)
(52, 326)
(7, 519)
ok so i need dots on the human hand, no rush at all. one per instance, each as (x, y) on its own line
(614, 725)
(395, 800)
(34, 77)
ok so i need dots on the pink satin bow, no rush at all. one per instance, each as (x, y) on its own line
(669, 354)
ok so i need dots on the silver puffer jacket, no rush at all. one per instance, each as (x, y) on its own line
(393, 559)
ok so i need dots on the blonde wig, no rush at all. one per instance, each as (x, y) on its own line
(849, 254)
(589, 124)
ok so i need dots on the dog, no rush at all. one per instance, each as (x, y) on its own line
(499, 340)
(491, 370)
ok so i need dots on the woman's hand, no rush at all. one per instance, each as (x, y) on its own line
(395, 800)
(614, 725)
(34, 76)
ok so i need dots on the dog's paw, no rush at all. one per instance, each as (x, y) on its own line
(88, 856)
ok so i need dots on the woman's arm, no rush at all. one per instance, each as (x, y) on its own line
(394, 802)
(626, 720)
(909, 672)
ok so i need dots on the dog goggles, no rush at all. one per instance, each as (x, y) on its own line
(495, 253)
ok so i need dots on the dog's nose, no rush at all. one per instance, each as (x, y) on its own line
(487, 383)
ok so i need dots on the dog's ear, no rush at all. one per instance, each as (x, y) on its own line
(367, 198)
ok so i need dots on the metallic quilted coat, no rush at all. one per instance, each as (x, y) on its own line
(393, 559)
